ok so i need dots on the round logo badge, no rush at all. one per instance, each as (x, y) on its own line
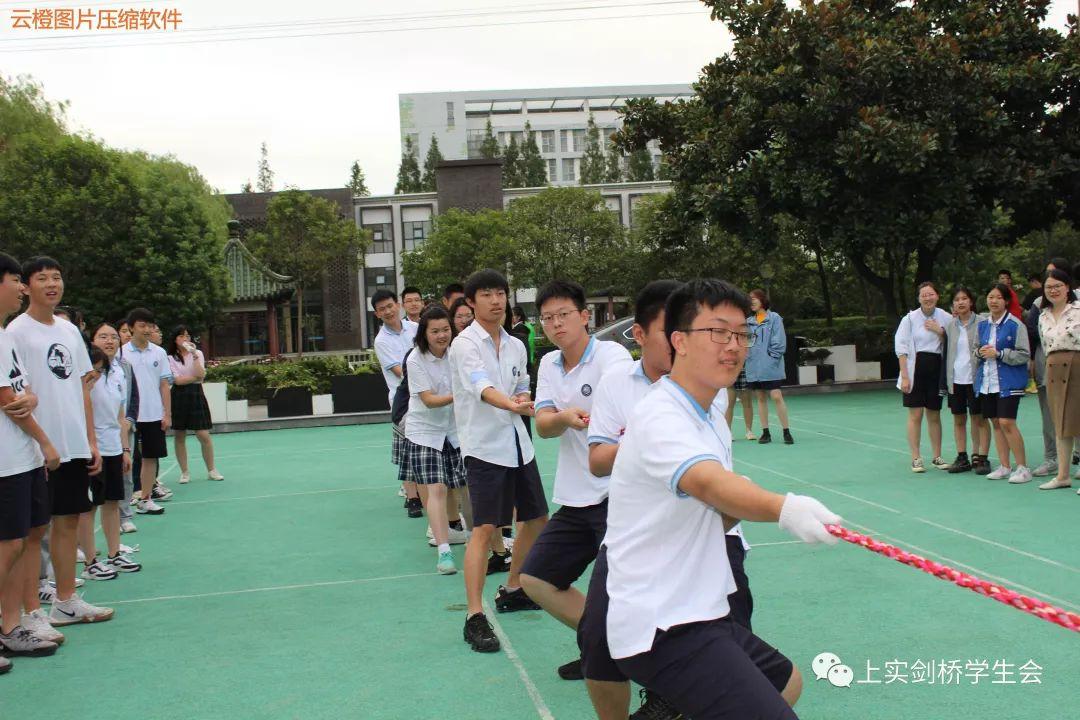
(59, 360)
(586, 389)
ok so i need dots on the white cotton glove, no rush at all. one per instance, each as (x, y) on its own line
(806, 518)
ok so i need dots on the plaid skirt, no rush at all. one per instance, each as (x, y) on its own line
(740, 382)
(190, 411)
(429, 466)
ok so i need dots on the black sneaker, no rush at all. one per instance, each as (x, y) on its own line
(960, 464)
(765, 437)
(416, 508)
(498, 563)
(788, 440)
(479, 635)
(513, 601)
(980, 464)
(654, 707)
(571, 670)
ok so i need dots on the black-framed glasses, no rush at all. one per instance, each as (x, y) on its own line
(722, 336)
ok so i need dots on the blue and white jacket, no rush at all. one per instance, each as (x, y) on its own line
(765, 361)
(1012, 364)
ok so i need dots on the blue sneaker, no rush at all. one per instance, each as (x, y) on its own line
(446, 564)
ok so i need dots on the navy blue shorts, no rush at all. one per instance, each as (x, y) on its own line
(497, 491)
(567, 545)
(996, 407)
(964, 401)
(24, 503)
(108, 485)
(69, 488)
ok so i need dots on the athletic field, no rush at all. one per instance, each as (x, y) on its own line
(299, 589)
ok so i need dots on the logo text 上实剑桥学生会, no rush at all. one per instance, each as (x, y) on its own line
(933, 671)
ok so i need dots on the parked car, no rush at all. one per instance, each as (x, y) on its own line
(619, 331)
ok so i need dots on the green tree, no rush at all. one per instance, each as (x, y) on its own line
(357, 182)
(531, 167)
(613, 172)
(512, 165)
(564, 233)
(460, 243)
(887, 131)
(490, 148)
(593, 164)
(265, 181)
(639, 167)
(431, 163)
(303, 235)
(408, 177)
(246, 187)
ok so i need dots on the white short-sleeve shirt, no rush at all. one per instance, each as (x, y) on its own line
(19, 452)
(667, 552)
(56, 361)
(962, 370)
(149, 367)
(108, 397)
(487, 433)
(430, 427)
(390, 348)
(574, 484)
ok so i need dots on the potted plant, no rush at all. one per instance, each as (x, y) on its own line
(816, 357)
(361, 390)
(289, 390)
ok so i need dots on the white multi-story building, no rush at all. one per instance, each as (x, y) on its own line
(558, 117)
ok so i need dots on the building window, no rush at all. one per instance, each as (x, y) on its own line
(568, 169)
(415, 233)
(547, 141)
(475, 140)
(579, 140)
(449, 115)
(377, 278)
(564, 140)
(382, 238)
(553, 170)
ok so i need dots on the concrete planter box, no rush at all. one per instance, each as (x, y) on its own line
(843, 361)
(359, 393)
(808, 375)
(868, 370)
(216, 398)
(322, 405)
(236, 411)
(289, 402)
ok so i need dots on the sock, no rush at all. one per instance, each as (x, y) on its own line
(456, 524)
(962, 454)
(444, 547)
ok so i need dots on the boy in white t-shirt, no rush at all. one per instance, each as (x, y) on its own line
(153, 376)
(57, 361)
(567, 382)
(673, 495)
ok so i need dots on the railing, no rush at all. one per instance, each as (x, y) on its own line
(353, 357)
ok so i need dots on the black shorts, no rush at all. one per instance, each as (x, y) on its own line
(995, 406)
(596, 660)
(151, 440)
(69, 488)
(108, 485)
(964, 401)
(24, 503)
(926, 385)
(567, 545)
(496, 491)
(765, 385)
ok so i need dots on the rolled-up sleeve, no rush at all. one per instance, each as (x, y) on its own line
(385, 354)
(469, 366)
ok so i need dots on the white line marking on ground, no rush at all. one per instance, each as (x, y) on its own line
(272, 588)
(287, 451)
(280, 495)
(782, 542)
(820, 487)
(172, 466)
(534, 693)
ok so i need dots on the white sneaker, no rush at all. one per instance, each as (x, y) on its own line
(128, 527)
(1053, 484)
(185, 478)
(430, 535)
(38, 623)
(127, 549)
(1002, 472)
(76, 610)
(1076, 475)
(1046, 469)
(508, 543)
(149, 507)
(80, 556)
(161, 493)
(751, 436)
(98, 570)
(401, 491)
(215, 475)
(456, 537)
(123, 564)
(1020, 475)
(46, 592)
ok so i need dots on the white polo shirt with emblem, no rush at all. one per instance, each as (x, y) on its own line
(667, 551)
(485, 432)
(149, 367)
(56, 360)
(19, 452)
(430, 427)
(390, 348)
(575, 486)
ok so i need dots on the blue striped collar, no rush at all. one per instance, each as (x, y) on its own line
(674, 387)
(586, 356)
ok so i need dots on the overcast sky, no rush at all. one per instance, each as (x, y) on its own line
(322, 102)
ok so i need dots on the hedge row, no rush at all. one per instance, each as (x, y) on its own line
(252, 382)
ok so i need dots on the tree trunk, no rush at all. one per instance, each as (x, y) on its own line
(886, 286)
(825, 295)
(300, 320)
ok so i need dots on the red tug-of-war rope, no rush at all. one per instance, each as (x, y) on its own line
(1038, 608)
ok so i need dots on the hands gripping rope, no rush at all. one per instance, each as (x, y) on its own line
(1038, 608)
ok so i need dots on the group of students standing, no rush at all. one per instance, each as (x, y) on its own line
(644, 481)
(78, 415)
(985, 364)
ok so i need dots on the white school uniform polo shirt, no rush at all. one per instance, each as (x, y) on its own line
(108, 397)
(18, 451)
(487, 433)
(555, 388)
(390, 348)
(149, 367)
(430, 427)
(612, 406)
(56, 361)
(667, 551)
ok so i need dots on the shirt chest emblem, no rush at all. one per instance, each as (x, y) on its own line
(59, 361)
(586, 389)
